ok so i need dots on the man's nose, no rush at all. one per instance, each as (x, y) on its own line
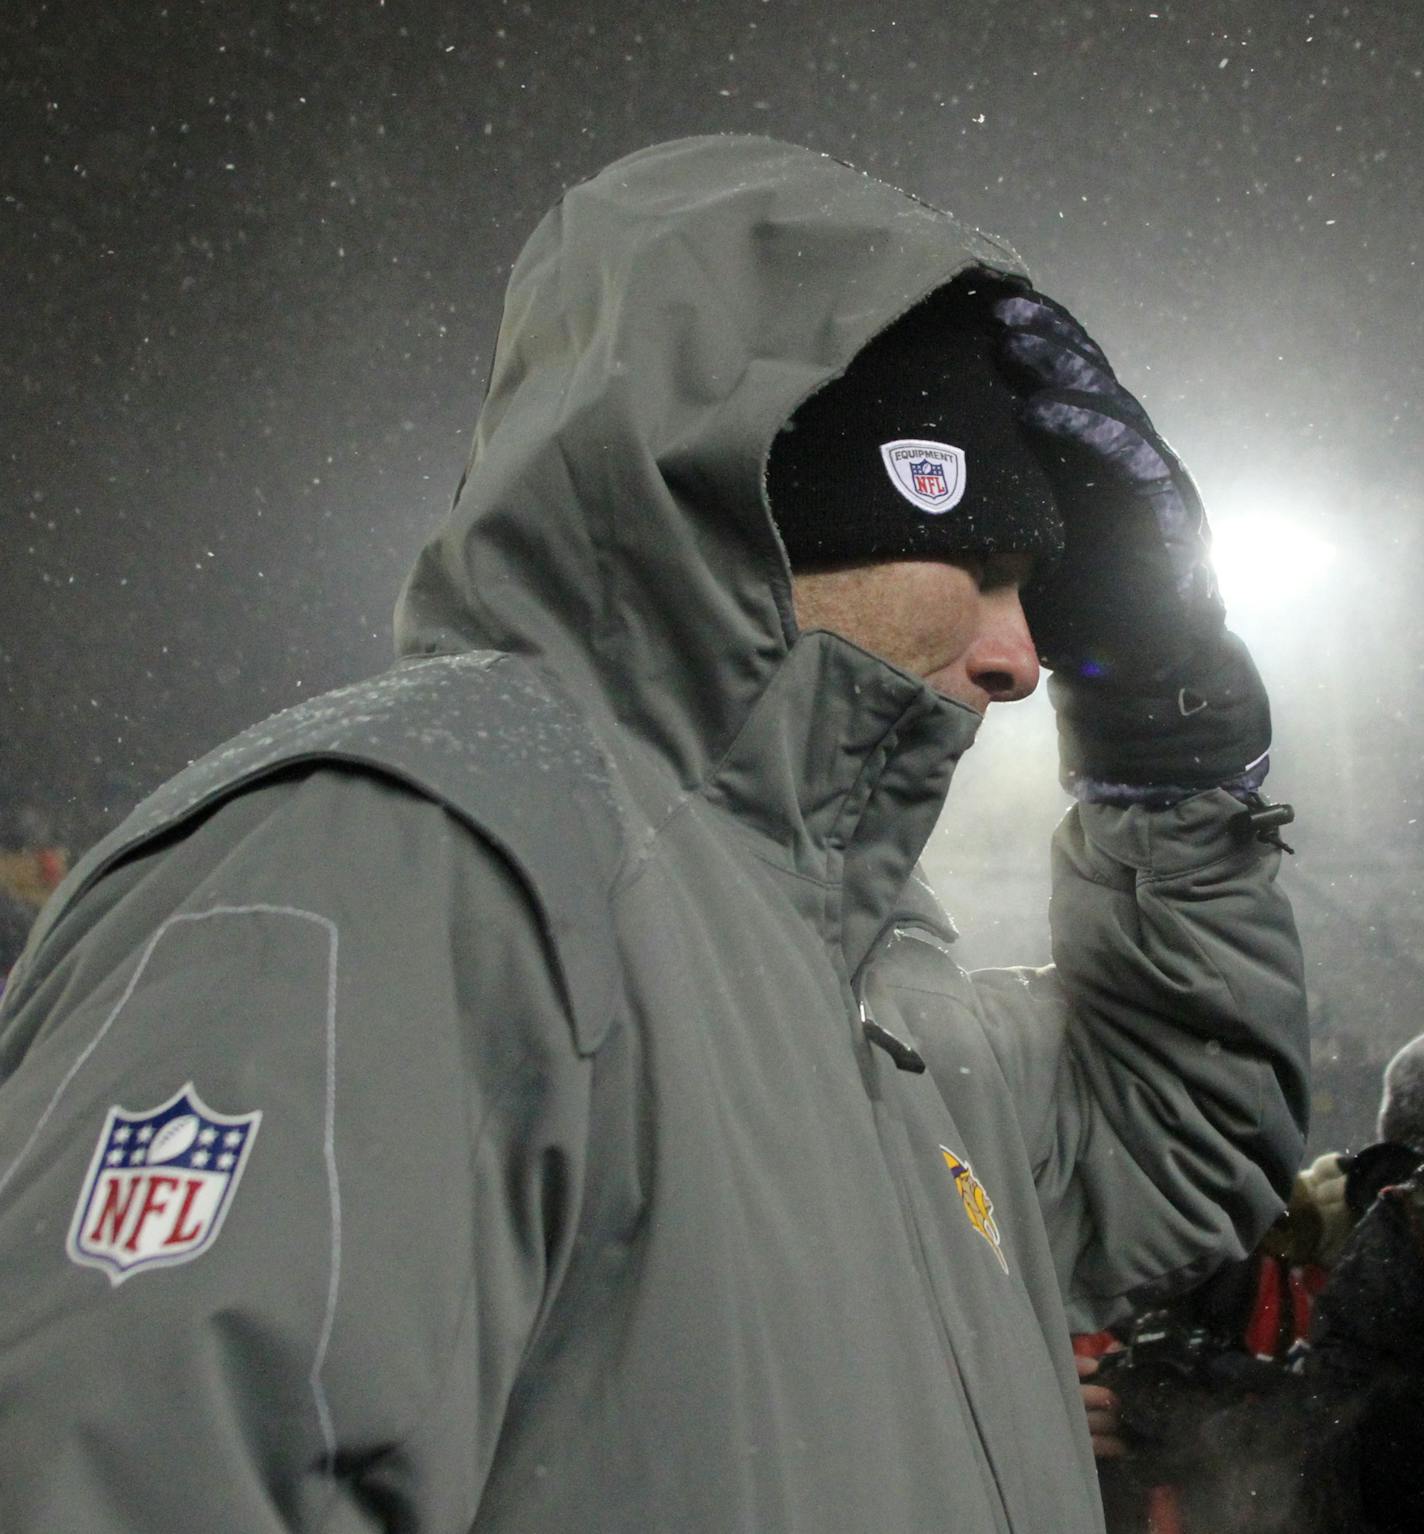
(1002, 661)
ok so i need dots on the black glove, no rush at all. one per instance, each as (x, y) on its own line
(1209, 731)
(1149, 686)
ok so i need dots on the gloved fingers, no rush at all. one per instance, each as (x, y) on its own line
(1117, 443)
(1032, 313)
(1045, 347)
(1186, 538)
(1099, 452)
(1043, 362)
(1134, 590)
(1106, 452)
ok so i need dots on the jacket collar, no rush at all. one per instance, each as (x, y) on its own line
(841, 770)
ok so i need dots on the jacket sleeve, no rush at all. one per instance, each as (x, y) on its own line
(336, 1350)
(1161, 1062)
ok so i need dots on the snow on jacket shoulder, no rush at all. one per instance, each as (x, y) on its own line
(347, 961)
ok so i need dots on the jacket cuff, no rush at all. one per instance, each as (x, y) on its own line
(1157, 796)
(1162, 840)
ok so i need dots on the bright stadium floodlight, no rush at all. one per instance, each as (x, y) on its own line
(1265, 558)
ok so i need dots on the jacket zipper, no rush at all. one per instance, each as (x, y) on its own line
(914, 1234)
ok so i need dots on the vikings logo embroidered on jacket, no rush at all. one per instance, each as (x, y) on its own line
(977, 1203)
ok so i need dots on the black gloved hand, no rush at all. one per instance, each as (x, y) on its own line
(1150, 688)
(1206, 732)
(1134, 596)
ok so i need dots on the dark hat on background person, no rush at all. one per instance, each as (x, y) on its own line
(915, 451)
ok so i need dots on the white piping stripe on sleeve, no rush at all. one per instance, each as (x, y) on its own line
(333, 1181)
(333, 1185)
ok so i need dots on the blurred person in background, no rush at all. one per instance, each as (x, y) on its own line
(1262, 1401)
(31, 868)
(1365, 1366)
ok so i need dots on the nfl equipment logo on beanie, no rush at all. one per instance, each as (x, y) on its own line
(915, 451)
(929, 475)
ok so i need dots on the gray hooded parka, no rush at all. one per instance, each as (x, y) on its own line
(632, 1152)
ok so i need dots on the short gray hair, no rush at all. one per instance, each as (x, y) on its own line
(1401, 1115)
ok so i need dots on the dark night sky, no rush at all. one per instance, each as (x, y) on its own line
(252, 258)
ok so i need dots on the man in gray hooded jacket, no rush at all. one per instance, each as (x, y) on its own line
(533, 1090)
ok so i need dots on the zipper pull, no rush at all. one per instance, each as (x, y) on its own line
(1263, 820)
(905, 1056)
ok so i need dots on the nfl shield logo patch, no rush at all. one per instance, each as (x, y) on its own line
(930, 475)
(928, 479)
(159, 1185)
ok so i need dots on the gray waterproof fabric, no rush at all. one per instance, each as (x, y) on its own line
(716, 1255)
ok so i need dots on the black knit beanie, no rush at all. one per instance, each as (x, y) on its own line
(915, 451)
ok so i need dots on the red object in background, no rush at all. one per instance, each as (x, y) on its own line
(1164, 1512)
(1279, 1318)
(53, 864)
(1263, 1330)
(31, 874)
(1273, 1330)
(1162, 1509)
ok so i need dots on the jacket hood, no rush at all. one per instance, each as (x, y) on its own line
(661, 325)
